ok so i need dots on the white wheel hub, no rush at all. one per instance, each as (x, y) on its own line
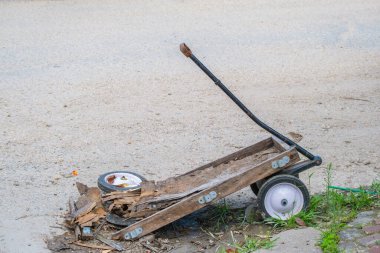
(123, 180)
(283, 200)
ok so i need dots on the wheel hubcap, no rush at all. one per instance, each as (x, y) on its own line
(283, 200)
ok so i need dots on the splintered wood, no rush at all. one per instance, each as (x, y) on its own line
(156, 196)
(87, 210)
(156, 204)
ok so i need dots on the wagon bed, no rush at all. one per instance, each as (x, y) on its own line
(207, 184)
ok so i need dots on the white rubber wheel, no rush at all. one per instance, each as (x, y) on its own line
(120, 181)
(283, 196)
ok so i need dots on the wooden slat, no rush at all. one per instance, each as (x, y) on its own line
(255, 148)
(190, 204)
(201, 176)
(279, 144)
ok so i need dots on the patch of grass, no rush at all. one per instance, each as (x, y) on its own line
(309, 217)
(330, 240)
(338, 208)
(252, 244)
(221, 215)
(249, 244)
(375, 186)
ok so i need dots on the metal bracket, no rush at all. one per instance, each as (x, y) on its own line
(133, 234)
(280, 163)
(207, 198)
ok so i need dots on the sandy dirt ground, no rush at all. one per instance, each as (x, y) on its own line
(97, 86)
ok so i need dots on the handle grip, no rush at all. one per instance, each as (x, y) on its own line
(185, 50)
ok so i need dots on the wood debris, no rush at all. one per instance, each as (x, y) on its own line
(87, 210)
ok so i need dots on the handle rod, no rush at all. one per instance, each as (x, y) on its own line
(288, 141)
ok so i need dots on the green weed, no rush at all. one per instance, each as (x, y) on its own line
(329, 241)
(338, 208)
(252, 244)
(309, 217)
(221, 215)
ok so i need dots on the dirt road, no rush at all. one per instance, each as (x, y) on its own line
(101, 85)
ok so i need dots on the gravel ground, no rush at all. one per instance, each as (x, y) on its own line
(101, 85)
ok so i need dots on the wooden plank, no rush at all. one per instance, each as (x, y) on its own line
(86, 218)
(255, 148)
(190, 204)
(92, 246)
(84, 210)
(213, 172)
(279, 144)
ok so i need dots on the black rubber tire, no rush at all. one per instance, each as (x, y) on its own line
(255, 187)
(106, 187)
(281, 179)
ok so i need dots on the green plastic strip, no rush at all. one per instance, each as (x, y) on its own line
(352, 189)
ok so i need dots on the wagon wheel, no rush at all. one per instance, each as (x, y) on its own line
(131, 180)
(255, 187)
(283, 196)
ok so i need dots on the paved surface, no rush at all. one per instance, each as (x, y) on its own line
(295, 241)
(362, 234)
(100, 85)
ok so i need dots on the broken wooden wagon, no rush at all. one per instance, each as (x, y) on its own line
(270, 167)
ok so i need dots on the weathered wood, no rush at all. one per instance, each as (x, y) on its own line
(84, 210)
(111, 243)
(85, 218)
(123, 202)
(188, 205)
(77, 232)
(72, 207)
(90, 222)
(176, 188)
(279, 144)
(131, 193)
(92, 246)
(143, 213)
(213, 171)
(132, 199)
(257, 147)
(82, 188)
(111, 207)
(148, 209)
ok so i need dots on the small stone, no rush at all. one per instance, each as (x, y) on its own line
(374, 249)
(377, 221)
(370, 240)
(300, 222)
(371, 229)
(350, 234)
(363, 219)
(348, 246)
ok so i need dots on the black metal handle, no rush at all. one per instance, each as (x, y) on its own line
(187, 52)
